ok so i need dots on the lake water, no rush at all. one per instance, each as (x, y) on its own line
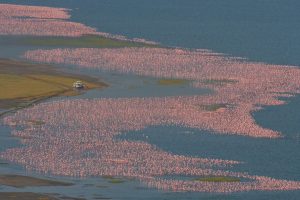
(260, 30)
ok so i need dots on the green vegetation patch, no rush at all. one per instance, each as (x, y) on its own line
(36, 122)
(169, 82)
(219, 81)
(71, 198)
(218, 179)
(26, 181)
(88, 41)
(213, 107)
(114, 180)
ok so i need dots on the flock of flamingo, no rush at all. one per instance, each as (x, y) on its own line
(246, 86)
(78, 137)
(47, 21)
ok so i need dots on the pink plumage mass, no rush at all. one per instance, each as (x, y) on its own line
(47, 21)
(78, 139)
(244, 86)
(40, 21)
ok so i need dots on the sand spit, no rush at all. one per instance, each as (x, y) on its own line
(77, 138)
(241, 85)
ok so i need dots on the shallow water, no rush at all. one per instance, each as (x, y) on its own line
(258, 30)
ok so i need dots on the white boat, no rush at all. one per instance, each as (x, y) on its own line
(78, 85)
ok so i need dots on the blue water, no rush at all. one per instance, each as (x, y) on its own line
(260, 30)
(257, 155)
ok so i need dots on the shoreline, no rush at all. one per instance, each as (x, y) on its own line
(26, 83)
